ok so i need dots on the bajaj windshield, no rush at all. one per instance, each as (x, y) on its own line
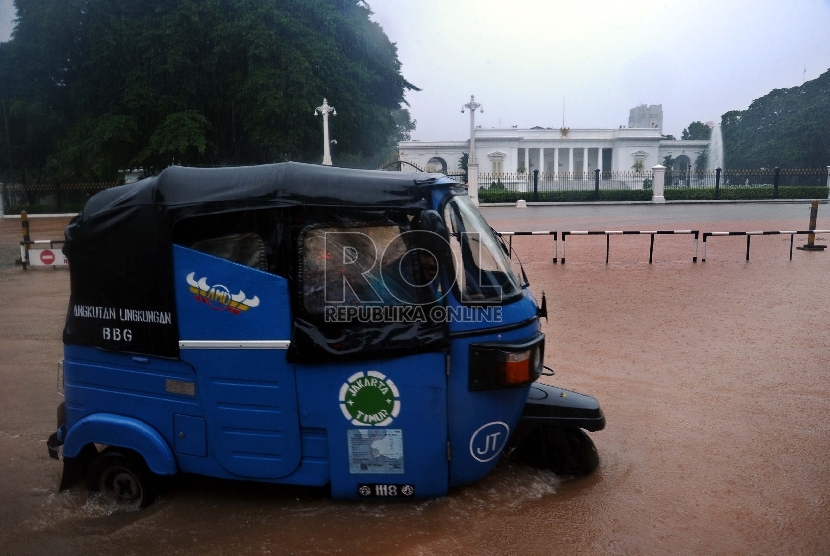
(483, 273)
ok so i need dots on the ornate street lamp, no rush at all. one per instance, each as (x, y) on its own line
(472, 106)
(325, 109)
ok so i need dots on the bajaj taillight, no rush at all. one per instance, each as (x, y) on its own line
(506, 365)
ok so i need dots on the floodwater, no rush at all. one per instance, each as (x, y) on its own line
(713, 377)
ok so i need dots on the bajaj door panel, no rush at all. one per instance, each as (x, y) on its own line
(234, 325)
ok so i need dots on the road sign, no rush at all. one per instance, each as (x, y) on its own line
(47, 257)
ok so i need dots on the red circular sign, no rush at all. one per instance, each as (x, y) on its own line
(47, 257)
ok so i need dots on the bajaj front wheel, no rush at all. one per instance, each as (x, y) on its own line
(123, 476)
(563, 450)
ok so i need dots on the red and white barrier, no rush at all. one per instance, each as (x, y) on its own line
(45, 252)
(759, 233)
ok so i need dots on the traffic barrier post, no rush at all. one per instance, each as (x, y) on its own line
(24, 251)
(811, 245)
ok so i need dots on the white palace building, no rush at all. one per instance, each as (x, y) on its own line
(556, 150)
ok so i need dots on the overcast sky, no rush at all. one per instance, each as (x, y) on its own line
(521, 58)
(6, 19)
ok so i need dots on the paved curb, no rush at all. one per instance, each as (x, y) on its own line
(699, 202)
(66, 215)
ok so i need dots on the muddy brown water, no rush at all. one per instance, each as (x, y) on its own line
(714, 377)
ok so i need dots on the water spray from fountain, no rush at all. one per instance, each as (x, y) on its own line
(715, 159)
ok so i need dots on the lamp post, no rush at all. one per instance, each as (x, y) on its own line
(325, 109)
(472, 161)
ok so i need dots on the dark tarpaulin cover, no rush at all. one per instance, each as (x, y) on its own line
(121, 258)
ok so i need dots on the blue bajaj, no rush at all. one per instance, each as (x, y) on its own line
(303, 325)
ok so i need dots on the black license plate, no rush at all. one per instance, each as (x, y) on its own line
(369, 490)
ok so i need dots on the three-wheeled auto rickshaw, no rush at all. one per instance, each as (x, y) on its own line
(303, 325)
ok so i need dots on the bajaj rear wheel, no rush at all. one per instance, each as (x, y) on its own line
(123, 476)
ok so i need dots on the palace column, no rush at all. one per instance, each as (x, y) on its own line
(570, 159)
(556, 160)
(541, 159)
(584, 160)
(527, 159)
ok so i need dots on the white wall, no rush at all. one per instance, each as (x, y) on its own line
(623, 142)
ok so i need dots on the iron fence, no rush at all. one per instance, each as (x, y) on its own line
(687, 184)
(565, 186)
(48, 198)
(762, 177)
(761, 183)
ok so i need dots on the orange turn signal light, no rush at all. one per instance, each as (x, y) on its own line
(514, 368)
(506, 365)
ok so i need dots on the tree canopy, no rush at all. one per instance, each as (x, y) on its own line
(88, 87)
(787, 128)
(696, 131)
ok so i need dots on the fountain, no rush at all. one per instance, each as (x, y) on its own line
(715, 150)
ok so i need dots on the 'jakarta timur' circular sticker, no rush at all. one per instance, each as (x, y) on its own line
(369, 399)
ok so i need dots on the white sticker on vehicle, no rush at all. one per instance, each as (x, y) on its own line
(489, 440)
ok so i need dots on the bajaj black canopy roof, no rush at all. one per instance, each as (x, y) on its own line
(120, 246)
(290, 183)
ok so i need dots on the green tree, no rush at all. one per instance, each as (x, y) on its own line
(404, 124)
(786, 128)
(92, 86)
(702, 161)
(696, 131)
(179, 134)
(30, 138)
(462, 164)
(669, 161)
(94, 149)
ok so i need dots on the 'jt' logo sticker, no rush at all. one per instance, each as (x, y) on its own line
(489, 440)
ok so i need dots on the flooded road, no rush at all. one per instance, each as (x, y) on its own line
(713, 378)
